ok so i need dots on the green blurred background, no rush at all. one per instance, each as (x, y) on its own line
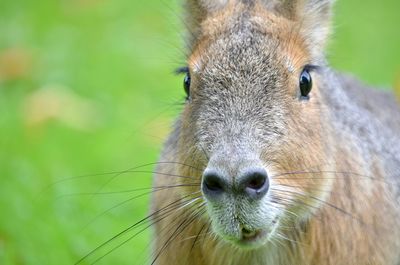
(86, 87)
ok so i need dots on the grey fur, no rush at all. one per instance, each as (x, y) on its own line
(370, 117)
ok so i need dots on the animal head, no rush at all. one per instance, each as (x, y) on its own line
(252, 120)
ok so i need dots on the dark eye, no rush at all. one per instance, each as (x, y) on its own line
(186, 84)
(305, 83)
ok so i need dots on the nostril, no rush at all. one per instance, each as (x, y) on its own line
(213, 183)
(256, 183)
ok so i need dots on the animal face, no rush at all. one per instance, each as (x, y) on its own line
(252, 125)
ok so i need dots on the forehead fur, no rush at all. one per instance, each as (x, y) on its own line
(248, 35)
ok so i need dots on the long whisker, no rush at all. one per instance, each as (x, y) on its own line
(207, 231)
(321, 201)
(183, 225)
(295, 201)
(164, 215)
(197, 237)
(154, 189)
(302, 187)
(119, 205)
(176, 203)
(152, 172)
(277, 205)
(115, 173)
(173, 223)
(280, 176)
(290, 240)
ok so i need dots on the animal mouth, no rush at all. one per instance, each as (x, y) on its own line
(252, 236)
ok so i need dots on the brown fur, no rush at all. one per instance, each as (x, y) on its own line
(343, 172)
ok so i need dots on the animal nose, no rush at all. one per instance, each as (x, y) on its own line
(253, 183)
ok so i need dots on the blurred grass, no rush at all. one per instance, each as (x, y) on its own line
(86, 87)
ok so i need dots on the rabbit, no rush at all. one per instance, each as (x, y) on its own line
(275, 158)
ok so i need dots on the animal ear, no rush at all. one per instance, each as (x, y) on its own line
(196, 11)
(313, 18)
